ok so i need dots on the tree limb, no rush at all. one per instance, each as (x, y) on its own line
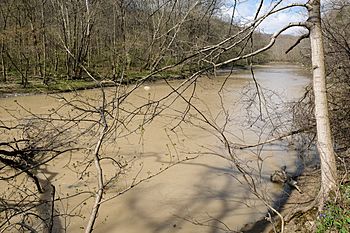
(302, 37)
(276, 138)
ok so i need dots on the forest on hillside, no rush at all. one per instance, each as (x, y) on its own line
(47, 40)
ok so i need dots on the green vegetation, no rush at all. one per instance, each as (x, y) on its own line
(34, 86)
(336, 216)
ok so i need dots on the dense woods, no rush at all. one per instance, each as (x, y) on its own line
(48, 40)
(53, 38)
(337, 35)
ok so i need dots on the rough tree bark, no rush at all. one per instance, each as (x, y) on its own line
(324, 136)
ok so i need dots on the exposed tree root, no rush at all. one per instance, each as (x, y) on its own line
(300, 210)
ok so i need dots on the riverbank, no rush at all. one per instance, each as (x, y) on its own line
(300, 212)
(295, 219)
(13, 86)
(289, 201)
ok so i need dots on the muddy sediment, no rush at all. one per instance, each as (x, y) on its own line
(201, 195)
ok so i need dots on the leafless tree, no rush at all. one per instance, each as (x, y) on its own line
(102, 121)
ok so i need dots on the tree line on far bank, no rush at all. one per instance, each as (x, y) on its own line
(45, 40)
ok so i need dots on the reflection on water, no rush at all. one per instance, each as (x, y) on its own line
(207, 194)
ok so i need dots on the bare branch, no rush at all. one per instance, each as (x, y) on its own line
(276, 138)
(305, 36)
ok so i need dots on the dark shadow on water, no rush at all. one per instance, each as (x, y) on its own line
(206, 192)
(263, 223)
(47, 210)
(304, 162)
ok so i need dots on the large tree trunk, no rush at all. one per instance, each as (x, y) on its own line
(324, 136)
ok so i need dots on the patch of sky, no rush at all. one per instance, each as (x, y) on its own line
(245, 11)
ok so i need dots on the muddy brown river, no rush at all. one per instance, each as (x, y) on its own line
(206, 194)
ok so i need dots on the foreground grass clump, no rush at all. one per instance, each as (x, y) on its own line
(336, 216)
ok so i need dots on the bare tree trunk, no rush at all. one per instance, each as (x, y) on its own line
(37, 66)
(3, 64)
(126, 58)
(87, 52)
(43, 25)
(114, 63)
(324, 136)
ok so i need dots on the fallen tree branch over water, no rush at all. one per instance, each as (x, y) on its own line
(242, 147)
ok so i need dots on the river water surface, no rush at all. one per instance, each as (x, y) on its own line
(205, 194)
